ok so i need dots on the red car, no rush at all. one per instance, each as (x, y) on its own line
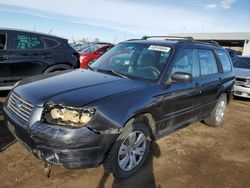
(91, 51)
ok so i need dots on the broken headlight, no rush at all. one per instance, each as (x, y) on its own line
(68, 116)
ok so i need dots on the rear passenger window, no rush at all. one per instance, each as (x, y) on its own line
(224, 59)
(208, 62)
(2, 41)
(187, 62)
(50, 43)
(26, 41)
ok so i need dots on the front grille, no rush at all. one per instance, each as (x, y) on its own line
(20, 107)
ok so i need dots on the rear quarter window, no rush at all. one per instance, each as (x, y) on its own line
(51, 43)
(225, 61)
(25, 41)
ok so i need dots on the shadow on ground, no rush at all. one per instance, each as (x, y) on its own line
(136, 180)
(6, 138)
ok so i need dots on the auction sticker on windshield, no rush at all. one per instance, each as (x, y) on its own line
(159, 48)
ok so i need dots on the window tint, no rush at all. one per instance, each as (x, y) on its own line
(207, 62)
(50, 43)
(187, 62)
(243, 63)
(26, 41)
(224, 59)
(2, 41)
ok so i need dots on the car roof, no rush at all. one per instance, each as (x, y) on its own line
(174, 43)
(27, 31)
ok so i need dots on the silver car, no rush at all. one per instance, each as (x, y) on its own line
(242, 71)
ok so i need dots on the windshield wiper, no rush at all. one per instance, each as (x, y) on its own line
(112, 72)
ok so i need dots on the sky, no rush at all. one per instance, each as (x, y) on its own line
(118, 20)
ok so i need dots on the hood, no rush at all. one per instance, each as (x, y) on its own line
(74, 88)
(242, 73)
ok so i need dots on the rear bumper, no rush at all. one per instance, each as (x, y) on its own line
(70, 148)
(242, 91)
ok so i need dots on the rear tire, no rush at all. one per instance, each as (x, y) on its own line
(217, 115)
(129, 152)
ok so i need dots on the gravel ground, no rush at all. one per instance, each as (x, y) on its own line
(196, 156)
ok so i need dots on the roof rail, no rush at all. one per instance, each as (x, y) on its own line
(132, 39)
(168, 37)
(213, 42)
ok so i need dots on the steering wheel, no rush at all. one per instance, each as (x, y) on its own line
(153, 70)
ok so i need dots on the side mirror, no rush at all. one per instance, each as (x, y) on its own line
(182, 77)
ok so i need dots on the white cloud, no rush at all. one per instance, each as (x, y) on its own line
(227, 4)
(210, 6)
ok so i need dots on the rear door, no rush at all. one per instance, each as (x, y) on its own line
(210, 81)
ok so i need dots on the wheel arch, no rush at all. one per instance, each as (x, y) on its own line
(61, 66)
(147, 119)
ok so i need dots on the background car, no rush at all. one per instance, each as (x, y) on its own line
(242, 70)
(232, 53)
(24, 54)
(89, 52)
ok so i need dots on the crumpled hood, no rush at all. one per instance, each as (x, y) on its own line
(242, 73)
(75, 88)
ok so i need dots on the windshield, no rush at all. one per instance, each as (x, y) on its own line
(141, 61)
(243, 63)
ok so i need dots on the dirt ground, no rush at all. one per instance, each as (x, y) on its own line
(196, 156)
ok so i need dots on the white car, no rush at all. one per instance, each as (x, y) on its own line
(242, 71)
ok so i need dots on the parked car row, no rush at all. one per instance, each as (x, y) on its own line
(91, 51)
(139, 91)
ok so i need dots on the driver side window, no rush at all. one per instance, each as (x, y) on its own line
(187, 62)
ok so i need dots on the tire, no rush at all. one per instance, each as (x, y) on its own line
(118, 163)
(55, 68)
(217, 115)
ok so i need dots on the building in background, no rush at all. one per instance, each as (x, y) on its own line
(237, 41)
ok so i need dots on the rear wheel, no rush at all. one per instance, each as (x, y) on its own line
(217, 115)
(129, 152)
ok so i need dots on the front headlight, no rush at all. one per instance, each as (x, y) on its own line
(68, 116)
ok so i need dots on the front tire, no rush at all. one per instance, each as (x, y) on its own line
(217, 115)
(129, 151)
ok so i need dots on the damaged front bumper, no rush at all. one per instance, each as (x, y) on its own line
(58, 145)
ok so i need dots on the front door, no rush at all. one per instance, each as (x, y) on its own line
(181, 100)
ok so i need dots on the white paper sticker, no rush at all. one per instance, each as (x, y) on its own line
(159, 48)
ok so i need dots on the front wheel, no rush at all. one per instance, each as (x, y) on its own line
(217, 115)
(129, 151)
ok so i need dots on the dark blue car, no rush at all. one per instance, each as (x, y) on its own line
(139, 91)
